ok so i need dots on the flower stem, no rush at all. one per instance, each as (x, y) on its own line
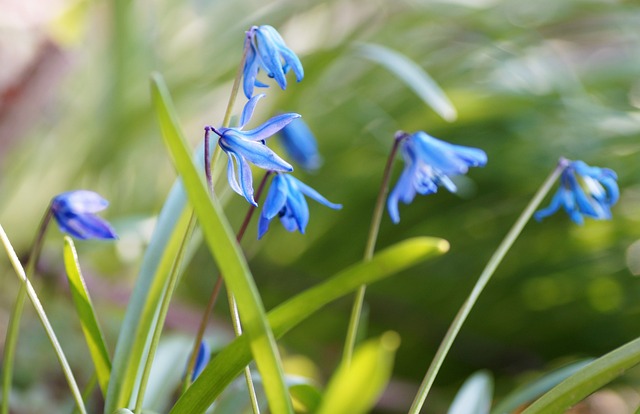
(374, 228)
(486, 274)
(162, 315)
(214, 296)
(33, 297)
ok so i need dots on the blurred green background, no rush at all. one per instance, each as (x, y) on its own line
(531, 81)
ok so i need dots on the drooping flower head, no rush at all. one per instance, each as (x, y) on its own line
(584, 191)
(74, 211)
(300, 144)
(244, 147)
(286, 200)
(429, 163)
(269, 53)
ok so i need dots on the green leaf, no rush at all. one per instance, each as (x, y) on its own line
(475, 395)
(226, 252)
(587, 380)
(44, 320)
(355, 388)
(230, 362)
(306, 397)
(533, 390)
(90, 327)
(413, 75)
(140, 318)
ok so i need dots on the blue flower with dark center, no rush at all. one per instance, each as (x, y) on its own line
(286, 200)
(75, 213)
(584, 191)
(269, 53)
(299, 142)
(429, 163)
(244, 147)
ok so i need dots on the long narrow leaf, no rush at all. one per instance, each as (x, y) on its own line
(587, 380)
(226, 251)
(532, 390)
(33, 297)
(140, 318)
(356, 387)
(84, 308)
(413, 75)
(228, 364)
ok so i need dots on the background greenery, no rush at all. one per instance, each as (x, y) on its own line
(531, 81)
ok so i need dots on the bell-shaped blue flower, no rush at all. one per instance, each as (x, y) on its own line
(268, 52)
(244, 147)
(286, 200)
(584, 191)
(75, 213)
(429, 163)
(300, 144)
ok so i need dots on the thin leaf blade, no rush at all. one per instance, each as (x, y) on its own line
(88, 320)
(413, 76)
(228, 364)
(587, 380)
(226, 252)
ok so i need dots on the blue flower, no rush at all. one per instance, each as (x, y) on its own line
(74, 212)
(202, 359)
(429, 163)
(584, 190)
(268, 52)
(243, 147)
(299, 142)
(286, 200)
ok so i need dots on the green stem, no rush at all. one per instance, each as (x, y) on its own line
(374, 229)
(13, 330)
(486, 274)
(216, 290)
(33, 297)
(162, 315)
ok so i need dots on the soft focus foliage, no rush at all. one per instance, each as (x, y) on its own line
(531, 81)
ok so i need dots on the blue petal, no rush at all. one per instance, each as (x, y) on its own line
(299, 142)
(250, 72)
(270, 56)
(263, 226)
(296, 204)
(247, 111)
(255, 152)
(231, 173)
(246, 180)
(310, 192)
(87, 226)
(270, 127)
(556, 203)
(202, 359)
(276, 198)
(81, 201)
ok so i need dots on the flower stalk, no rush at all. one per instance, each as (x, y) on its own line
(374, 229)
(484, 278)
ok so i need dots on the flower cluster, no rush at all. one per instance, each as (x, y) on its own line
(429, 163)
(268, 52)
(584, 191)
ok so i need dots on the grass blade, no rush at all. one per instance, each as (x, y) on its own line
(86, 313)
(33, 297)
(230, 362)
(413, 75)
(226, 252)
(141, 316)
(587, 380)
